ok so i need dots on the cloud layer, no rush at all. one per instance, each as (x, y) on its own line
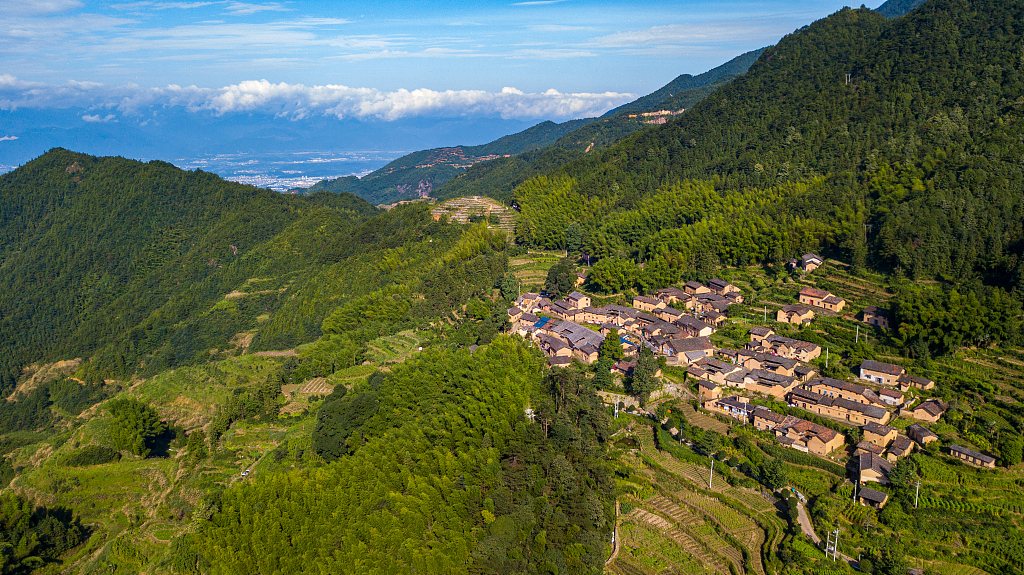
(297, 101)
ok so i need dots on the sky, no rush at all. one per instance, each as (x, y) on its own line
(385, 60)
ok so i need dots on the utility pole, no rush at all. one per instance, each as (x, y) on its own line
(712, 476)
(826, 358)
(765, 314)
(832, 544)
(917, 492)
(858, 335)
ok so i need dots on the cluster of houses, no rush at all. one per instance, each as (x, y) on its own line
(673, 322)
(676, 323)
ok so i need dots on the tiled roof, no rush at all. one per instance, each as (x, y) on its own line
(901, 445)
(873, 495)
(765, 413)
(761, 331)
(882, 367)
(877, 428)
(690, 344)
(838, 384)
(971, 453)
(933, 407)
(919, 433)
(814, 292)
(874, 463)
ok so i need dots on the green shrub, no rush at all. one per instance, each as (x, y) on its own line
(91, 455)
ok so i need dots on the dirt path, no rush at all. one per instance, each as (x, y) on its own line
(805, 524)
(615, 547)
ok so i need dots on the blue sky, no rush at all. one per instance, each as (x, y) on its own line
(388, 60)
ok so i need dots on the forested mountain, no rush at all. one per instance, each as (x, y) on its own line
(657, 99)
(912, 165)
(420, 173)
(426, 171)
(897, 8)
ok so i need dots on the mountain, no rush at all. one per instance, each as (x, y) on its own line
(897, 8)
(655, 100)
(419, 173)
(155, 322)
(921, 146)
(422, 173)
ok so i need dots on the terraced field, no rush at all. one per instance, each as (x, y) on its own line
(710, 530)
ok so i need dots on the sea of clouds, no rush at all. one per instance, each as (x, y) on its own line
(298, 101)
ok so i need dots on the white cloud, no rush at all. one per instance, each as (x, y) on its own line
(557, 28)
(40, 6)
(691, 34)
(299, 101)
(245, 9)
(8, 138)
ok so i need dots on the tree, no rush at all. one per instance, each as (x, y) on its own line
(135, 425)
(603, 374)
(644, 381)
(711, 442)
(1012, 450)
(561, 279)
(196, 445)
(773, 472)
(510, 287)
(611, 347)
(890, 559)
(573, 239)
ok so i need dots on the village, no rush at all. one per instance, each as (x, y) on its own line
(886, 408)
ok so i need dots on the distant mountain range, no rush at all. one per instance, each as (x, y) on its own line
(420, 173)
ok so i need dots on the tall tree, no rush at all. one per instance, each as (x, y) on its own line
(561, 279)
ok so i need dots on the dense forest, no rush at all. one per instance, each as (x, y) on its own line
(872, 140)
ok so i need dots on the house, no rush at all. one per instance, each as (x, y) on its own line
(735, 407)
(906, 381)
(868, 447)
(708, 390)
(715, 318)
(876, 316)
(872, 497)
(581, 278)
(528, 301)
(708, 302)
(671, 295)
(553, 346)
(881, 373)
(759, 334)
(647, 304)
(808, 262)
(669, 314)
(831, 387)
(695, 288)
(930, 410)
(722, 287)
(874, 468)
(514, 313)
(757, 360)
(921, 434)
(716, 370)
(810, 437)
(837, 407)
(693, 327)
(766, 419)
(821, 298)
(901, 447)
(784, 346)
(880, 435)
(972, 457)
(559, 361)
(578, 300)
(688, 350)
(794, 314)
(768, 383)
(891, 396)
